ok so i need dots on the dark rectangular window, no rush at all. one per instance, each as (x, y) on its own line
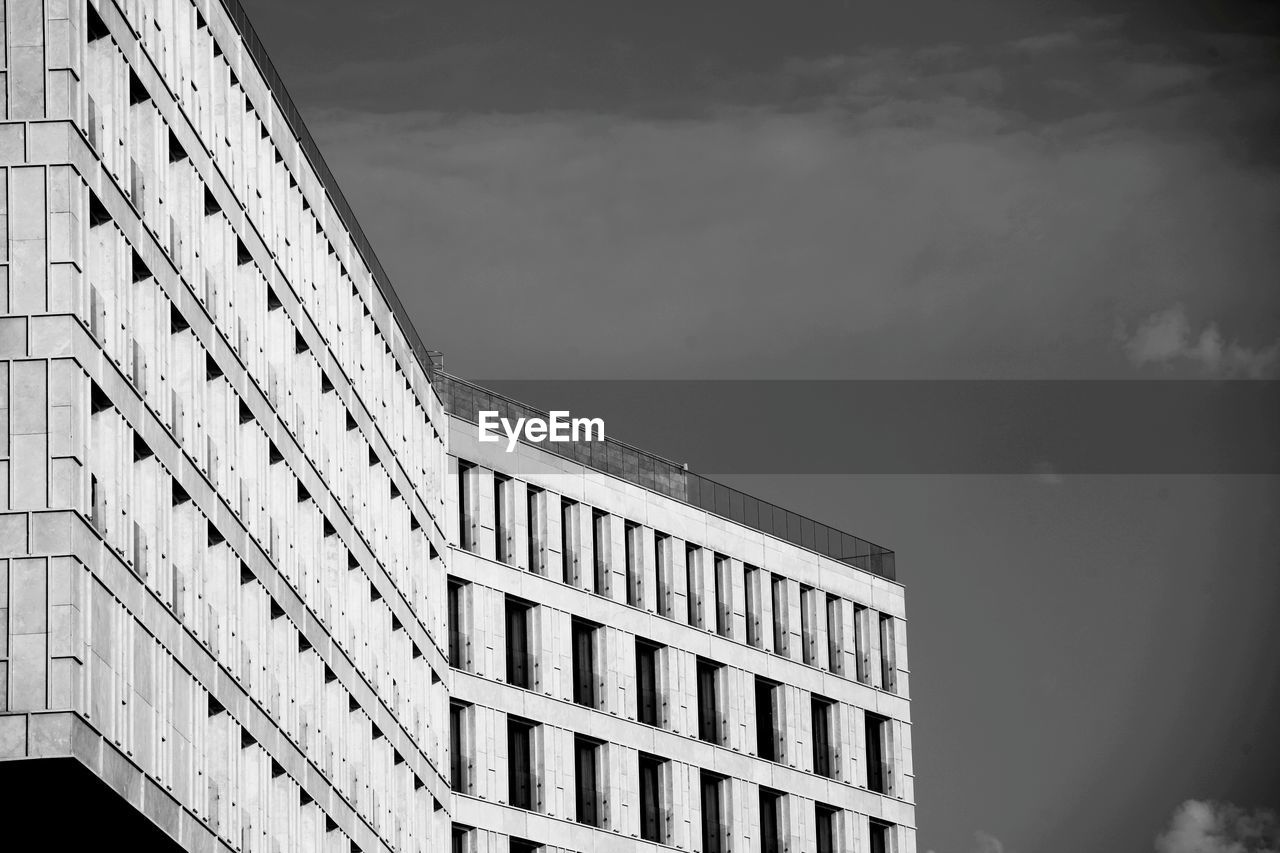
(724, 596)
(586, 755)
(662, 567)
(457, 639)
(708, 701)
(751, 583)
(466, 505)
(520, 763)
(693, 584)
(647, 682)
(825, 823)
(503, 528)
(881, 837)
(651, 818)
(781, 610)
(821, 713)
(713, 830)
(878, 777)
(461, 835)
(584, 663)
(862, 643)
(770, 821)
(600, 551)
(458, 760)
(568, 536)
(808, 630)
(520, 845)
(634, 567)
(535, 530)
(888, 656)
(835, 635)
(519, 660)
(766, 720)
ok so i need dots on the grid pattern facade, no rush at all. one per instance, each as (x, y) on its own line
(222, 576)
(634, 673)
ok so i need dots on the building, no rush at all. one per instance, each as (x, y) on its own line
(261, 588)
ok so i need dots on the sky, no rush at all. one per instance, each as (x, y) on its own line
(995, 189)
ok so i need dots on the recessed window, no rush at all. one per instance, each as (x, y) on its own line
(520, 781)
(751, 584)
(768, 697)
(503, 521)
(808, 625)
(835, 635)
(881, 837)
(586, 754)
(662, 570)
(781, 611)
(467, 522)
(888, 656)
(600, 551)
(459, 757)
(693, 584)
(634, 566)
(568, 541)
(709, 701)
(647, 682)
(652, 822)
(879, 771)
(724, 595)
(821, 712)
(536, 530)
(714, 831)
(862, 643)
(584, 663)
(825, 826)
(519, 659)
(770, 821)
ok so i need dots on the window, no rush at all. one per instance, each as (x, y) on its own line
(467, 476)
(888, 665)
(520, 845)
(825, 823)
(647, 682)
(693, 584)
(862, 643)
(536, 530)
(881, 837)
(879, 778)
(835, 635)
(779, 592)
(724, 596)
(519, 660)
(822, 711)
(584, 662)
(568, 541)
(459, 761)
(751, 582)
(652, 824)
(458, 657)
(520, 763)
(708, 701)
(713, 830)
(767, 738)
(600, 551)
(808, 625)
(503, 526)
(461, 835)
(634, 565)
(770, 821)
(586, 757)
(662, 565)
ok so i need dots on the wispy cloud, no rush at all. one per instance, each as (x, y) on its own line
(1167, 339)
(1208, 827)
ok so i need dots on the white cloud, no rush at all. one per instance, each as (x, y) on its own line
(1207, 827)
(1166, 338)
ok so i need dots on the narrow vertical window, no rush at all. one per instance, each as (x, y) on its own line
(835, 635)
(767, 695)
(634, 567)
(662, 566)
(693, 584)
(879, 778)
(584, 662)
(457, 637)
(778, 589)
(751, 583)
(520, 763)
(503, 491)
(535, 530)
(821, 713)
(888, 656)
(568, 538)
(461, 836)
(652, 825)
(600, 551)
(466, 505)
(459, 761)
(862, 643)
(808, 625)
(586, 754)
(708, 701)
(770, 821)
(519, 661)
(713, 830)
(647, 683)
(825, 824)
(724, 596)
(881, 837)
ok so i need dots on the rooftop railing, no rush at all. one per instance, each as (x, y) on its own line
(465, 400)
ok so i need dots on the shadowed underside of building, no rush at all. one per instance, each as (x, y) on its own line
(262, 589)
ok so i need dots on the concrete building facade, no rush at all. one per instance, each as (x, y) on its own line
(262, 588)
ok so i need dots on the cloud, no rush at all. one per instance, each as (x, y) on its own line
(1166, 338)
(1207, 827)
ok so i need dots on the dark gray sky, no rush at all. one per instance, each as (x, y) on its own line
(921, 189)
